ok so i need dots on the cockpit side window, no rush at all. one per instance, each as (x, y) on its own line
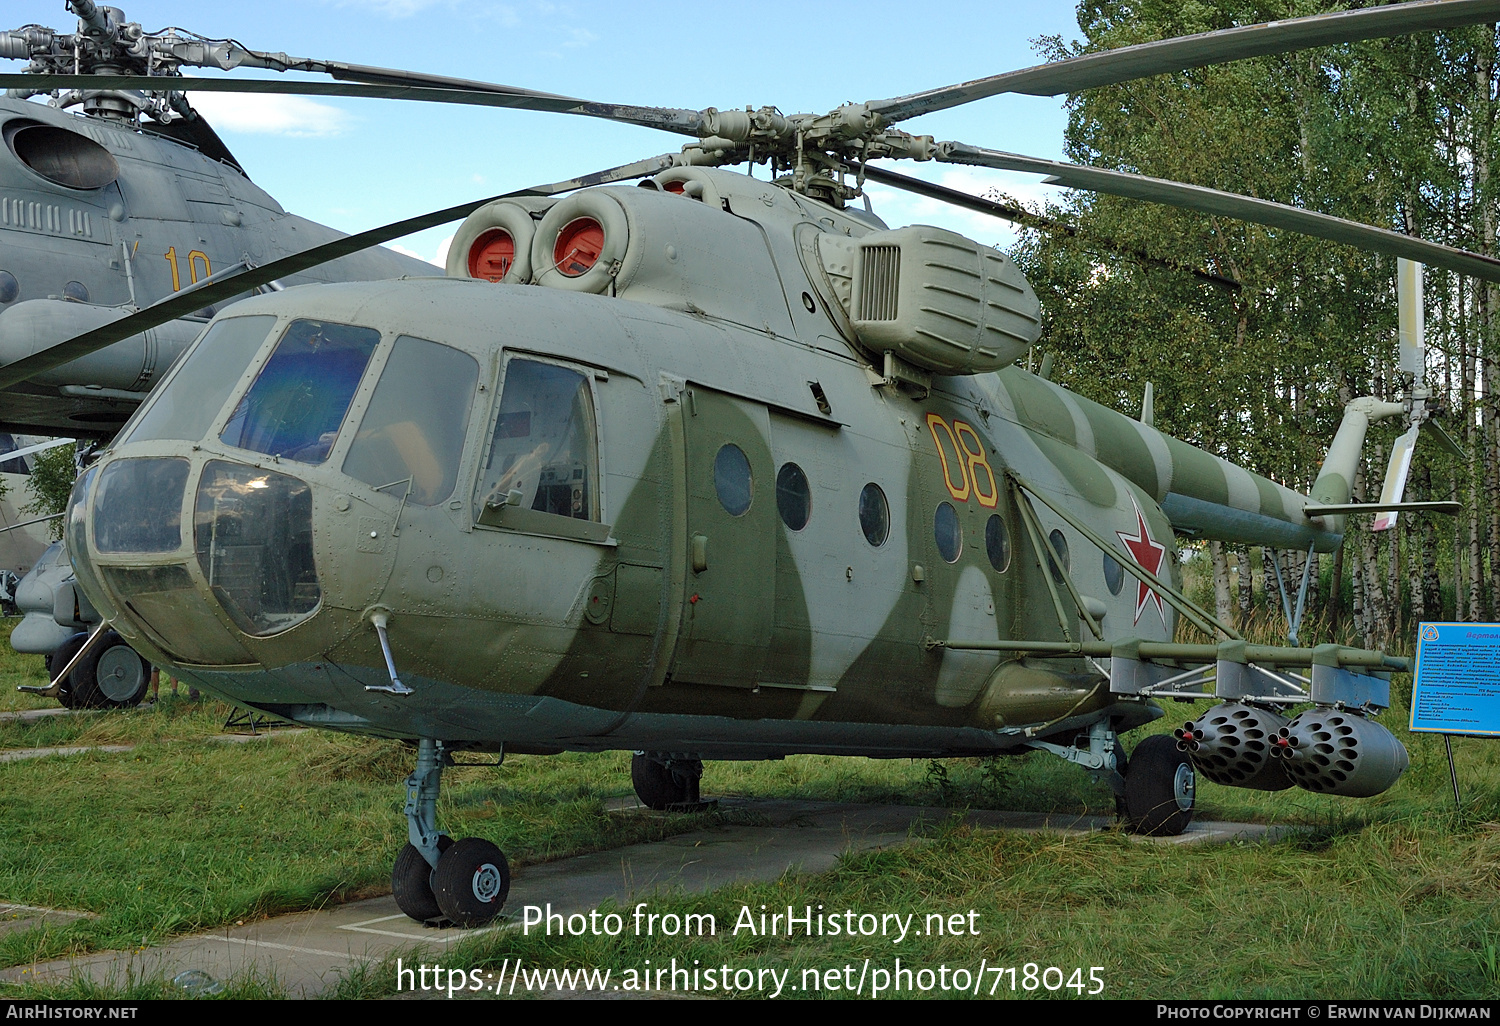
(544, 443)
(414, 427)
(299, 399)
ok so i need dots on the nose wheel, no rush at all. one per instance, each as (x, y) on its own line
(437, 880)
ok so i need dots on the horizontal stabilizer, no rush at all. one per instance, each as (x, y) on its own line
(1440, 506)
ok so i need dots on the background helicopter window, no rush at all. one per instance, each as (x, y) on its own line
(253, 533)
(202, 382)
(544, 442)
(945, 529)
(139, 506)
(1114, 574)
(415, 424)
(732, 479)
(997, 543)
(874, 514)
(793, 497)
(299, 399)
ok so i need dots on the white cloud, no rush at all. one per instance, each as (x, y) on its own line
(271, 114)
(415, 255)
(442, 252)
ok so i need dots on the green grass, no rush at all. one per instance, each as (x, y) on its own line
(1393, 896)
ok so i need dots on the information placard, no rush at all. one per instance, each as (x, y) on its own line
(1456, 689)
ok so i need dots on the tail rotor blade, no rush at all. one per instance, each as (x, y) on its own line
(1395, 478)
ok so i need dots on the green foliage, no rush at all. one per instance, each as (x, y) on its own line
(52, 474)
(1254, 358)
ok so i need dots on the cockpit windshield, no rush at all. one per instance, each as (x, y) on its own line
(298, 401)
(186, 406)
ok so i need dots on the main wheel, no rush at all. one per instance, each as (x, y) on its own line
(471, 881)
(60, 657)
(657, 786)
(411, 882)
(112, 676)
(1159, 788)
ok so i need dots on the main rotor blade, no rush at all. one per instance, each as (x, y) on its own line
(219, 289)
(683, 122)
(1021, 216)
(1183, 52)
(1229, 204)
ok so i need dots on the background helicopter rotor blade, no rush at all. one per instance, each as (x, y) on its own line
(1229, 204)
(683, 122)
(1183, 52)
(219, 288)
(1022, 216)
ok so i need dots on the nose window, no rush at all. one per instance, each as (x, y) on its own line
(299, 399)
(414, 428)
(139, 506)
(253, 533)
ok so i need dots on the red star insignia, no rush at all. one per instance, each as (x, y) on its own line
(1149, 554)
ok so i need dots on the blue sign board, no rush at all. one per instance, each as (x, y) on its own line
(1457, 685)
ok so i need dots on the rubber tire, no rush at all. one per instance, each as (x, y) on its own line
(471, 882)
(654, 783)
(411, 882)
(87, 690)
(1151, 806)
(57, 659)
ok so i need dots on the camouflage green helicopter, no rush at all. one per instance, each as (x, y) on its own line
(710, 467)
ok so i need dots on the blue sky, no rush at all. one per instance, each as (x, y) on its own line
(354, 164)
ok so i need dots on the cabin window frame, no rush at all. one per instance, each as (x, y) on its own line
(590, 375)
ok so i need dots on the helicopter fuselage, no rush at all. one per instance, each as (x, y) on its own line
(686, 516)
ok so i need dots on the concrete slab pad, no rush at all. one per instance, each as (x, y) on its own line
(17, 754)
(308, 951)
(235, 739)
(27, 715)
(16, 918)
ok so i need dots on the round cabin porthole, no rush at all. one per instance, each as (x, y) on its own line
(732, 479)
(945, 530)
(1060, 545)
(997, 543)
(1114, 574)
(874, 515)
(793, 496)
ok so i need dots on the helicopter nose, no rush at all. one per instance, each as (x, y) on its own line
(248, 547)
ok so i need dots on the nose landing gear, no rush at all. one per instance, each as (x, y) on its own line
(435, 878)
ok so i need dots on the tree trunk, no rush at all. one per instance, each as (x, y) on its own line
(1222, 607)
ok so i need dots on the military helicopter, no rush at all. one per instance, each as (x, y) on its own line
(710, 467)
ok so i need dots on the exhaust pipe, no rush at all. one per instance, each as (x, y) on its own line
(1230, 744)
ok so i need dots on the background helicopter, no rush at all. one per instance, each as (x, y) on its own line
(101, 214)
(275, 618)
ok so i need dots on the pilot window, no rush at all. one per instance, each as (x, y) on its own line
(185, 409)
(299, 399)
(542, 456)
(413, 431)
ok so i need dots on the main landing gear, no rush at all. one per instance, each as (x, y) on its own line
(666, 780)
(1154, 788)
(437, 879)
(1159, 788)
